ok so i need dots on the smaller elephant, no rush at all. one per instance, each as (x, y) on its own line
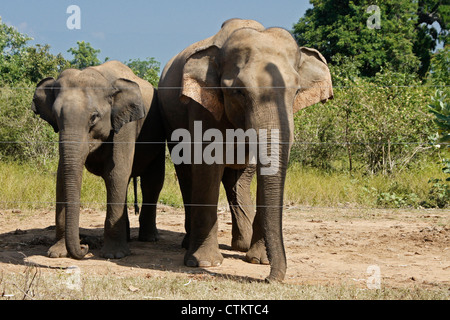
(108, 121)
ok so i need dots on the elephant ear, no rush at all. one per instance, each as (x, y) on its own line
(43, 100)
(315, 79)
(201, 81)
(127, 103)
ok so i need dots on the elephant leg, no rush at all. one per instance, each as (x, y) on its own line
(184, 176)
(257, 253)
(203, 243)
(184, 179)
(237, 187)
(116, 223)
(59, 250)
(125, 214)
(151, 184)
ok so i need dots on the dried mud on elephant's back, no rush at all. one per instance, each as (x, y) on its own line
(323, 246)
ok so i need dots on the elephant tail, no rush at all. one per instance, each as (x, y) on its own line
(136, 206)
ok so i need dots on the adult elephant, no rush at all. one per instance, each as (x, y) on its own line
(109, 122)
(244, 77)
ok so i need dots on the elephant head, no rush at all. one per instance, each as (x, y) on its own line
(86, 107)
(258, 78)
(243, 47)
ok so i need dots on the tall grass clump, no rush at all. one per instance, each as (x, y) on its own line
(27, 186)
(312, 186)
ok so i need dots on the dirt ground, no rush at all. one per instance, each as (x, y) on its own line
(401, 248)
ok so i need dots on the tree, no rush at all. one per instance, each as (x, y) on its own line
(21, 67)
(11, 41)
(440, 67)
(339, 27)
(146, 69)
(84, 56)
(39, 63)
(20, 62)
(430, 13)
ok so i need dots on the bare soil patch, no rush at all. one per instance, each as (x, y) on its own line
(411, 248)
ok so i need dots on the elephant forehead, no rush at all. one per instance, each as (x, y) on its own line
(251, 43)
(256, 61)
(85, 79)
(71, 99)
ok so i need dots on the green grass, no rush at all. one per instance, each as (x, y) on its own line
(315, 187)
(26, 186)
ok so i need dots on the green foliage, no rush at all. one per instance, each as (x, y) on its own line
(430, 13)
(397, 195)
(84, 55)
(440, 67)
(26, 64)
(438, 196)
(12, 41)
(440, 108)
(382, 124)
(147, 69)
(23, 136)
(340, 27)
(404, 42)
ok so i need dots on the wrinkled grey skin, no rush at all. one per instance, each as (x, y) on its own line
(100, 113)
(245, 76)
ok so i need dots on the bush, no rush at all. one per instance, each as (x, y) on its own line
(24, 136)
(439, 195)
(380, 123)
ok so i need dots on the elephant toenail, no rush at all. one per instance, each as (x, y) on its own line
(204, 264)
(254, 260)
(191, 263)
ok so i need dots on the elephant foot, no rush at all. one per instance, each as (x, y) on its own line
(58, 250)
(257, 254)
(115, 250)
(151, 236)
(203, 257)
(240, 244)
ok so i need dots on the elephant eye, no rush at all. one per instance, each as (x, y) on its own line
(94, 118)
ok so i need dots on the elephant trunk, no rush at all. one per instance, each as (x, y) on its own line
(73, 153)
(272, 165)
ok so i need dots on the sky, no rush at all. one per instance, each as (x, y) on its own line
(133, 29)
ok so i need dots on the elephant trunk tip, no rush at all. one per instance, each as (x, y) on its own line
(276, 276)
(78, 253)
